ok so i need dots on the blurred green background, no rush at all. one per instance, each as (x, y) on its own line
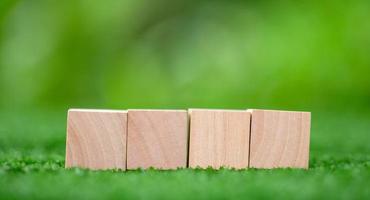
(299, 55)
(232, 54)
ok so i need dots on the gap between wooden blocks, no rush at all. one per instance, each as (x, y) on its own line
(171, 139)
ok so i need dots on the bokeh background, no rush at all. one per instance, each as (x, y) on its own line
(232, 54)
(300, 55)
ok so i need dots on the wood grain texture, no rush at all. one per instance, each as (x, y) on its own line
(157, 138)
(219, 138)
(280, 139)
(96, 139)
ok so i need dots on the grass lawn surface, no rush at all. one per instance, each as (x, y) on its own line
(32, 147)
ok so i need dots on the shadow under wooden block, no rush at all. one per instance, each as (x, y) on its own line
(157, 138)
(279, 139)
(96, 139)
(219, 138)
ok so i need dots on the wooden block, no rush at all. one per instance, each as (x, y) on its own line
(280, 139)
(157, 138)
(219, 138)
(96, 139)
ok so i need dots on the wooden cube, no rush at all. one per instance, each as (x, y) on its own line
(157, 138)
(280, 139)
(96, 139)
(219, 138)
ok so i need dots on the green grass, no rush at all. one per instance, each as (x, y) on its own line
(32, 166)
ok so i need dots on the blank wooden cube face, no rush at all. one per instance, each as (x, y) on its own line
(96, 139)
(280, 139)
(219, 138)
(157, 138)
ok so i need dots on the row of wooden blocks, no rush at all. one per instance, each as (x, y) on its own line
(170, 139)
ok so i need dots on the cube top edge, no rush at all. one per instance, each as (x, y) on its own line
(215, 110)
(96, 110)
(282, 111)
(156, 110)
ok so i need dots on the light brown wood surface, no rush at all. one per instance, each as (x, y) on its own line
(280, 139)
(157, 138)
(96, 139)
(219, 138)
